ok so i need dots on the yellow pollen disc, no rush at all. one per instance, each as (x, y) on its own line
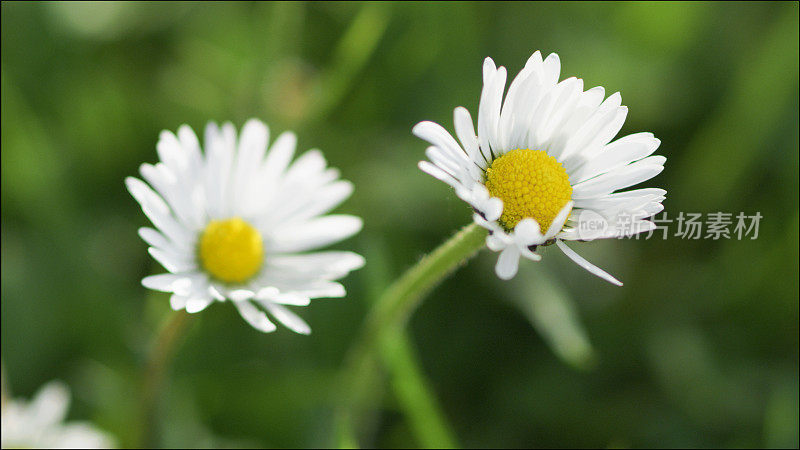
(531, 184)
(231, 250)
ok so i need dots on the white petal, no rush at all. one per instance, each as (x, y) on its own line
(168, 282)
(240, 295)
(249, 156)
(308, 204)
(465, 130)
(76, 435)
(530, 96)
(508, 263)
(220, 146)
(304, 293)
(510, 112)
(631, 208)
(252, 142)
(279, 156)
(215, 292)
(552, 68)
(653, 208)
(191, 145)
(326, 289)
(197, 304)
(528, 254)
(157, 211)
(267, 292)
(306, 167)
(439, 137)
(489, 108)
(637, 227)
(587, 106)
(527, 230)
(324, 264)
(594, 270)
(446, 162)
(492, 226)
(292, 298)
(178, 302)
(174, 193)
(171, 153)
(605, 201)
(288, 318)
(496, 242)
(156, 239)
(314, 233)
(325, 199)
(558, 221)
(493, 208)
(621, 152)
(173, 262)
(438, 173)
(255, 317)
(596, 132)
(49, 406)
(534, 62)
(563, 100)
(621, 178)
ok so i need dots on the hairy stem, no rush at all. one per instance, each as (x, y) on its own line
(391, 312)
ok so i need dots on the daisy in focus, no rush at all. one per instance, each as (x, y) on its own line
(39, 423)
(242, 222)
(542, 167)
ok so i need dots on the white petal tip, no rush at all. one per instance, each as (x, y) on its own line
(131, 183)
(591, 268)
(420, 128)
(505, 276)
(267, 327)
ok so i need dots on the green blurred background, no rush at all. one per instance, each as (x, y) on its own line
(700, 348)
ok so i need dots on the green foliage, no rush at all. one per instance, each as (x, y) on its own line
(700, 348)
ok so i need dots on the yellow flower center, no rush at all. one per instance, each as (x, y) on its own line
(531, 184)
(231, 250)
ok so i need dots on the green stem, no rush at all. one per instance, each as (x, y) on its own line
(392, 311)
(404, 295)
(415, 396)
(163, 349)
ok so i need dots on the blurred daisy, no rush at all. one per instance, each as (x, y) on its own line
(240, 223)
(39, 423)
(542, 169)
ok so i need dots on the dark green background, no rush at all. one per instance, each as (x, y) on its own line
(700, 348)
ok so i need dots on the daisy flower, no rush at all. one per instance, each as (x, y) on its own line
(241, 222)
(542, 167)
(39, 423)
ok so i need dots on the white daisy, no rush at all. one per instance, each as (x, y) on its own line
(542, 168)
(39, 423)
(238, 223)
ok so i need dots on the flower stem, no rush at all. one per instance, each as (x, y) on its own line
(403, 296)
(413, 392)
(391, 311)
(162, 351)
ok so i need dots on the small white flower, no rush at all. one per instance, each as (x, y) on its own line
(39, 423)
(240, 222)
(542, 168)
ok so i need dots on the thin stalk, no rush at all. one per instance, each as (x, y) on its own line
(161, 353)
(392, 311)
(413, 392)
